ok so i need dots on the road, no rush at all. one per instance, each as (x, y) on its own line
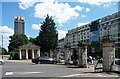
(47, 70)
(33, 70)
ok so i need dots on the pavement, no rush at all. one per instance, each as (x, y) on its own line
(18, 61)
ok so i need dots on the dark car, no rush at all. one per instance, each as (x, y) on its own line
(43, 59)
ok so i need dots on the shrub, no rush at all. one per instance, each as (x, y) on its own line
(14, 55)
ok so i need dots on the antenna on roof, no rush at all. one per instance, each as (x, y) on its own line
(20, 13)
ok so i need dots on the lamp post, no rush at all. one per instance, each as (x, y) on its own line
(2, 46)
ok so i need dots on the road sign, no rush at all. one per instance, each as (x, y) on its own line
(93, 50)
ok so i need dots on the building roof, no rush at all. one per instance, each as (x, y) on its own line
(29, 45)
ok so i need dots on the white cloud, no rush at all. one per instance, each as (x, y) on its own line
(24, 4)
(60, 11)
(83, 16)
(61, 34)
(79, 8)
(97, 2)
(81, 24)
(36, 27)
(108, 4)
(87, 9)
(6, 31)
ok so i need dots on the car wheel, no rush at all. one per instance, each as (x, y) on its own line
(1, 63)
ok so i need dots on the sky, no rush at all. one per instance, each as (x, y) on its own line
(67, 14)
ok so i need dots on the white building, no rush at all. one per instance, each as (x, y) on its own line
(29, 51)
(110, 25)
(106, 24)
(76, 35)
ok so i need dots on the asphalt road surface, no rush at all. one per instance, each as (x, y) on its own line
(46, 70)
(33, 70)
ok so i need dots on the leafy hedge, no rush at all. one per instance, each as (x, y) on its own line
(14, 55)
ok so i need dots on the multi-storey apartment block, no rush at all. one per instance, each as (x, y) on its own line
(76, 35)
(109, 26)
(96, 31)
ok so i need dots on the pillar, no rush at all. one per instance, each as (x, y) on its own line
(26, 53)
(20, 56)
(108, 55)
(39, 52)
(33, 53)
(82, 55)
(66, 55)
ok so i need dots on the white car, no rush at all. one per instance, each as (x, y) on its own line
(1, 61)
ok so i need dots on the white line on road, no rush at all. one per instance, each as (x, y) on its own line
(9, 73)
(27, 72)
(72, 75)
(18, 73)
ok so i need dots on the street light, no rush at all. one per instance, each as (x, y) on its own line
(2, 46)
(2, 43)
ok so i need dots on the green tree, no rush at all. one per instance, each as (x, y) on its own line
(48, 35)
(14, 55)
(95, 45)
(33, 40)
(16, 41)
(5, 52)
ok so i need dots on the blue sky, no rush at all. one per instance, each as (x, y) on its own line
(67, 15)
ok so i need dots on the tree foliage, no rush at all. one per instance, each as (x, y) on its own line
(16, 41)
(14, 55)
(5, 52)
(48, 35)
(96, 46)
(33, 40)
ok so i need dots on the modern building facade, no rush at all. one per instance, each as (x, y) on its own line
(19, 25)
(94, 31)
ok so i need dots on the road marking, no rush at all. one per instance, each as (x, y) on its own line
(72, 75)
(27, 72)
(20, 73)
(9, 73)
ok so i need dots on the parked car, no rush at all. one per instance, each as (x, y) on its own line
(44, 59)
(117, 61)
(1, 61)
